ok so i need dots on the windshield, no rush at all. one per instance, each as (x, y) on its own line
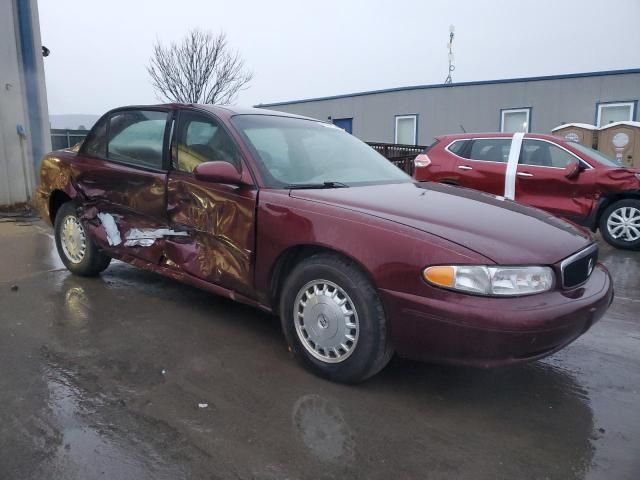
(297, 152)
(596, 155)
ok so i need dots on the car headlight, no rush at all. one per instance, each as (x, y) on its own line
(485, 280)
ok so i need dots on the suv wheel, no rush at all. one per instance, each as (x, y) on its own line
(333, 319)
(77, 251)
(620, 224)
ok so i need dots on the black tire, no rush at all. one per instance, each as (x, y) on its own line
(372, 349)
(93, 261)
(632, 205)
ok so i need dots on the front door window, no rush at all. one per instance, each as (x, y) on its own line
(201, 139)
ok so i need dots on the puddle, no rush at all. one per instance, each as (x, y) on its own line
(87, 450)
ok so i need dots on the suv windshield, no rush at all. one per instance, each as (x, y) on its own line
(299, 153)
(596, 155)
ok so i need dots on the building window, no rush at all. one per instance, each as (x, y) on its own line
(615, 112)
(406, 129)
(515, 120)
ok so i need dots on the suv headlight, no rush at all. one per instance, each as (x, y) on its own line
(493, 281)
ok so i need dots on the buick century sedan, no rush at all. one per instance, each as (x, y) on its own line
(301, 219)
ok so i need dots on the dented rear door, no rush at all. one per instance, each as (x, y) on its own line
(122, 180)
(220, 218)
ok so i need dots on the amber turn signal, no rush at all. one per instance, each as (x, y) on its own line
(443, 276)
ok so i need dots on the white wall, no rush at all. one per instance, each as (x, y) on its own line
(19, 156)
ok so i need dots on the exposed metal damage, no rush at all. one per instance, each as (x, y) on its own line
(110, 228)
(135, 237)
(145, 237)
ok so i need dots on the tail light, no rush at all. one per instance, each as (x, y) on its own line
(422, 160)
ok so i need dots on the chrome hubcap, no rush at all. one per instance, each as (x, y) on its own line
(624, 224)
(326, 321)
(73, 239)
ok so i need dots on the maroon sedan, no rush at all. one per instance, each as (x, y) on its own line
(301, 219)
(565, 178)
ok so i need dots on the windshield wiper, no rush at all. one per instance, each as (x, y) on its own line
(300, 186)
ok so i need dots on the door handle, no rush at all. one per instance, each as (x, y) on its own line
(135, 183)
(464, 167)
(524, 174)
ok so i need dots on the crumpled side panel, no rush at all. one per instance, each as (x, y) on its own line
(118, 231)
(55, 174)
(179, 223)
(617, 180)
(222, 240)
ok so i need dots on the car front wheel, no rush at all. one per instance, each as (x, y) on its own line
(620, 224)
(333, 319)
(76, 249)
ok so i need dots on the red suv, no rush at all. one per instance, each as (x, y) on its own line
(565, 178)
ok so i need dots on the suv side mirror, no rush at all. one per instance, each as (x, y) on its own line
(218, 172)
(572, 170)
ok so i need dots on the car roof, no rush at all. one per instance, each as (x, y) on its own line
(464, 136)
(231, 111)
(219, 110)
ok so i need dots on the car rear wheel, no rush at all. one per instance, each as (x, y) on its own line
(77, 251)
(333, 319)
(620, 224)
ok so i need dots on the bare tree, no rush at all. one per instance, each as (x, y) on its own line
(200, 69)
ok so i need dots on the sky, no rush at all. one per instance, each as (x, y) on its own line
(303, 49)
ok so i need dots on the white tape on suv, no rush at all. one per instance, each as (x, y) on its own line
(512, 166)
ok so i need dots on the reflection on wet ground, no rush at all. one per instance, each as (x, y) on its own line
(109, 378)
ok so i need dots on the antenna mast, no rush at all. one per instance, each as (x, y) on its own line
(452, 67)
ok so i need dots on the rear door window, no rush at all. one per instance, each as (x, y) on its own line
(136, 137)
(489, 150)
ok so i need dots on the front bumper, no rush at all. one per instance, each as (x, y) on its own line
(451, 327)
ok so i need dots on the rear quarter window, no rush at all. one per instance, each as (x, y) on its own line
(457, 147)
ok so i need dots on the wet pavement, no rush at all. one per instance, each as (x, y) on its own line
(133, 376)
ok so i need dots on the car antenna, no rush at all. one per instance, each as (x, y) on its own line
(462, 128)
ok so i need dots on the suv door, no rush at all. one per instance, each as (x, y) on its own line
(482, 164)
(123, 172)
(541, 180)
(220, 217)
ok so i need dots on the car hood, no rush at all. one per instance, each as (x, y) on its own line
(502, 230)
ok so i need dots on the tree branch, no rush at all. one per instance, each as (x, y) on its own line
(200, 69)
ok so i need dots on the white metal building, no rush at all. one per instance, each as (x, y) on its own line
(414, 115)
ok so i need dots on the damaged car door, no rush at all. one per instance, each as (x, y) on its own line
(541, 180)
(124, 184)
(219, 217)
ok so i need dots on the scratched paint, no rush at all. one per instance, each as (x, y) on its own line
(110, 228)
(145, 237)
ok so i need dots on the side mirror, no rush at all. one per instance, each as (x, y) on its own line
(572, 170)
(218, 172)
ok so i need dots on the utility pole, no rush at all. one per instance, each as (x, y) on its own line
(452, 67)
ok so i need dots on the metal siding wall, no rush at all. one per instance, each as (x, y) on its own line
(476, 107)
(18, 160)
(12, 187)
